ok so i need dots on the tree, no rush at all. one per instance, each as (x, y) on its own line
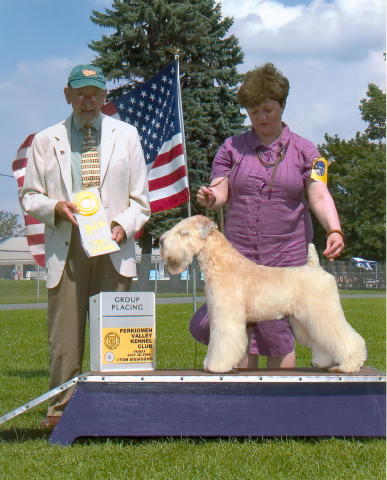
(357, 180)
(146, 35)
(9, 226)
(373, 111)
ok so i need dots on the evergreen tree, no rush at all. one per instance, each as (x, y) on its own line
(147, 34)
(357, 183)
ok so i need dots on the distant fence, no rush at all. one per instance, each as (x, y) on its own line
(350, 276)
(153, 275)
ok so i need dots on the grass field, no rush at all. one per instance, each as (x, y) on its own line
(25, 453)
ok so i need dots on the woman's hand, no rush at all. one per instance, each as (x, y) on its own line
(335, 246)
(214, 196)
(206, 197)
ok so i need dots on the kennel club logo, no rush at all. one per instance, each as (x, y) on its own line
(112, 340)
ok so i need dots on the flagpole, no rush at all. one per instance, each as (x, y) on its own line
(189, 210)
(181, 119)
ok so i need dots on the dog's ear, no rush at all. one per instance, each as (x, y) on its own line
(205, 230)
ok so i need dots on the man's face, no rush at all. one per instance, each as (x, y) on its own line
(86, 102)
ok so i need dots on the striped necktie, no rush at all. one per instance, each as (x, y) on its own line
(89, 160)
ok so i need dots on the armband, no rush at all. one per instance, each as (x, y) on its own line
(320, 170)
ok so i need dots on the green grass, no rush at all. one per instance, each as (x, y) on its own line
(25, 453)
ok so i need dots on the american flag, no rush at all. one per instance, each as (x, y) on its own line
(152, 107)
(34, 229)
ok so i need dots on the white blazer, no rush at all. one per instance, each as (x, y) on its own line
(124, 189)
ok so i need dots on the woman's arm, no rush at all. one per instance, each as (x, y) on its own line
(323, 207)
(214, 196)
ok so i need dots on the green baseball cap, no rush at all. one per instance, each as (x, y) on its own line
(86, 76)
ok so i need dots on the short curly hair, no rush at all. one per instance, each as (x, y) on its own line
(263, 83)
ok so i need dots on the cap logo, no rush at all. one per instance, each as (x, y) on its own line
(89, 73)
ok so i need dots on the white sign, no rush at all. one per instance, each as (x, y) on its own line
(122, 331)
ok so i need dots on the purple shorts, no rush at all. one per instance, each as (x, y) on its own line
(272, 338)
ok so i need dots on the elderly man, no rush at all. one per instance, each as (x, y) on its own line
(55, 170)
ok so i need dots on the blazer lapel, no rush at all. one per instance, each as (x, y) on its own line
(107, 146)
(62, 142)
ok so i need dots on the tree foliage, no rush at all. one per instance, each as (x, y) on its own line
(147, 34)
(357, 181)
(373, 111)
(9, 226)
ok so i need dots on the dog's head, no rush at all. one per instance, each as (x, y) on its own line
(179, 244)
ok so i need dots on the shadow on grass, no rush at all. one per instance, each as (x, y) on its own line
(20, 435)
(126, 441)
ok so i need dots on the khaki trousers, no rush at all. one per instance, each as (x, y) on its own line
(68, 305)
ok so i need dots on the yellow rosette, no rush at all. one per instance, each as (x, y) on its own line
(87, 203)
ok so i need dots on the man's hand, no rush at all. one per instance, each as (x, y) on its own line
(118, 233)
(64, 210)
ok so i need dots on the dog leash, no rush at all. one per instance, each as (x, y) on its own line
(280, 156)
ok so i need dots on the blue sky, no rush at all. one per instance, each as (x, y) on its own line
(329, 49)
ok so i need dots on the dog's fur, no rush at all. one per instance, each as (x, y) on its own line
(239, 292)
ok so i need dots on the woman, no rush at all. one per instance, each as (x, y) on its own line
(265, 176)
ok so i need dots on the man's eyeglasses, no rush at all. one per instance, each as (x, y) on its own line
(92, 98)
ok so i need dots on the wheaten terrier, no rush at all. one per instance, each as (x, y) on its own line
(239, 292)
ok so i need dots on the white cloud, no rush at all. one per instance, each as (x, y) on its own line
(342, 28)
(329, 50)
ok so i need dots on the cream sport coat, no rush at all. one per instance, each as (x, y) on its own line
(124, 189)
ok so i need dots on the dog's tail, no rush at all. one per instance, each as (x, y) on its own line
(313, 260)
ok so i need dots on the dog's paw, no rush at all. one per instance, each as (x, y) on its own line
(322, 361)
(346, 368)
(217, 367)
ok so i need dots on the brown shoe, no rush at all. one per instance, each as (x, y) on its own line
(50, 421)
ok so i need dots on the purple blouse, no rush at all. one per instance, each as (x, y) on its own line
(275, 229)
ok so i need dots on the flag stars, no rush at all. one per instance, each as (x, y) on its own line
(151, 108)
